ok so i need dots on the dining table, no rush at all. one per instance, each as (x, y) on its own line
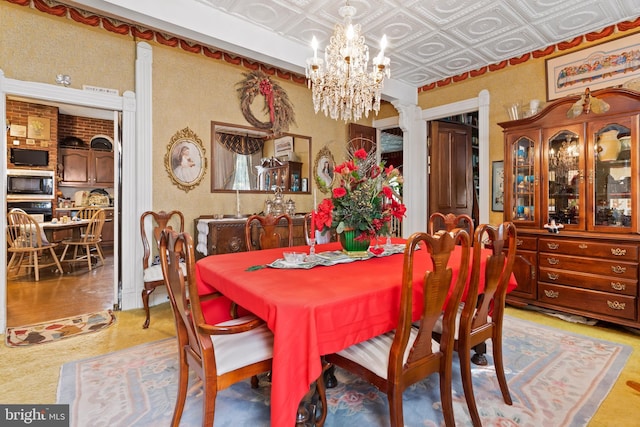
(313, 309)
(51, 227)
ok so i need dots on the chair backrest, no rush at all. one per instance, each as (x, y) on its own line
(438, 283)
(151, 226)
(440, 221)
(268, 236)
(23, 231)
(183, 293)
(93, 232)
(87, 212)
(501, 240)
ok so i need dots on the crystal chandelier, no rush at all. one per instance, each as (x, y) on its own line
(341, 85)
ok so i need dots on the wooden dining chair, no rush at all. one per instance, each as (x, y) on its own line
(220, 354)
(151, 225)
(395, 360)
(88, 242)
(268, 237)
(25, 238)
(87, 212)
(440, 221)
(481, 315)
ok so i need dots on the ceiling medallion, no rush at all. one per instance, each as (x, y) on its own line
(341, 85)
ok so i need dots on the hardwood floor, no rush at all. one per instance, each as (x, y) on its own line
(56, 296)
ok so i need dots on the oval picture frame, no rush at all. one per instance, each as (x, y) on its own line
(185, 159)
(323, 170)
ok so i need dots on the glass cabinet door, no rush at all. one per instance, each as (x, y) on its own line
(611, 181)
(565, 201)
(524, 182)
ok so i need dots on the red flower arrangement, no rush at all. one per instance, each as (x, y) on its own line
(367, 199)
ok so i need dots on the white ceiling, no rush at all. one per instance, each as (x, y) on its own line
(429, 40)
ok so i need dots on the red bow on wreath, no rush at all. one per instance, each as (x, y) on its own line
(267, 90)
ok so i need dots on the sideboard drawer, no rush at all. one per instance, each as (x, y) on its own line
(621, 306)
(612, 268)
(589, 281)
(588, 248)
(526, 243)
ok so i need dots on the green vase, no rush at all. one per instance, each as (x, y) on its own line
(351, 246)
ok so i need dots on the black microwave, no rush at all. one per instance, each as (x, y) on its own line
(25, 157)
(29, 184)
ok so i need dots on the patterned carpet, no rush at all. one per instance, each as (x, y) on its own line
(555, 379)
(58, 329)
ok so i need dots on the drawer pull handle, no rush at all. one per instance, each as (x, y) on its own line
(551, 294)
(618, 286)
(553, 276)
(553, 245)
(618, 251)
(583, 246)
(618, 269)
(616, 305)
(519, 242)
(554, 261)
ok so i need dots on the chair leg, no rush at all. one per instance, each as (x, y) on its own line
(145, 303)
(464, 353)
(183, 382)
(87, 250)
(55, 258)
(100, 255)
(36, 266)
(446, 394)
(394, 395)
(499, 366)
(208, 402)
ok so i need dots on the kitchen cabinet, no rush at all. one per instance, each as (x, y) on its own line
(85, 168)
(580, 171)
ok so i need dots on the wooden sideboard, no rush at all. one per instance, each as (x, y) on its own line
(220, 236)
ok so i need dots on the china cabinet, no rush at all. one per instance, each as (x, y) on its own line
(577, 174)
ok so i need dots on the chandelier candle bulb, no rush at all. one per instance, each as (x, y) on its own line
(314, 45)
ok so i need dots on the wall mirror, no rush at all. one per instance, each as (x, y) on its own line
(253, 160)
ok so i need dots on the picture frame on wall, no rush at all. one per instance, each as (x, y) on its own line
(497, 186)
(185, 160)
(609, 64)
(283, 146)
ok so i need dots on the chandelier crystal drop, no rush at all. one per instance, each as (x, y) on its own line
(341, 85)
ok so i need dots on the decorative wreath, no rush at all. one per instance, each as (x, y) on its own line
(277, 102)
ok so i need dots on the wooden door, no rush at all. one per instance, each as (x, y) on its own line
(361, 137)
(451, 171)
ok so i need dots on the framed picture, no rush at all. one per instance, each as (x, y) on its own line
(323, 170)
(283, 145)
(185, 160)
(38, 128)
(497, 182)
(605, 65)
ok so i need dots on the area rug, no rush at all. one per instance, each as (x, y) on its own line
(54, 330)
(555, 378)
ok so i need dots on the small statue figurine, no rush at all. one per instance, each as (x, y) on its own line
(552, 227)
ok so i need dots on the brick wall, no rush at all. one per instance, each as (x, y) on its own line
(84, 128)
(18, 114)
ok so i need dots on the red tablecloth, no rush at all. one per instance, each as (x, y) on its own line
(311, 312)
